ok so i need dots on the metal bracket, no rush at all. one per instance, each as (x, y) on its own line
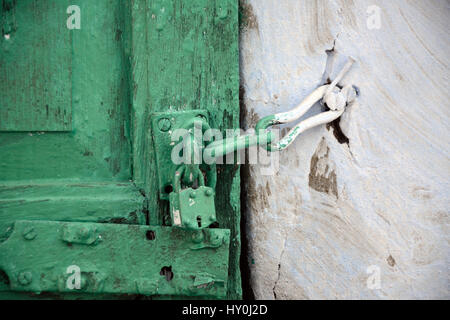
(163, 125)
(48, 256)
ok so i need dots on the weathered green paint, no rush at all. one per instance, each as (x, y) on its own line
(193, 208)
(35, 67)
(237, 143)
(185, 56)
(98, 148)
(116, 259)
(266, 122)
(129, 60)
(100, 202)
(84, 174)
(164, 126)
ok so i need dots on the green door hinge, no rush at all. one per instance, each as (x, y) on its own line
(51, 256)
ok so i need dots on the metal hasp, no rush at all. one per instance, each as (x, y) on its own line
(191, 207)
(331, 96)
(190, 213)
(167, 130)
(114, 258)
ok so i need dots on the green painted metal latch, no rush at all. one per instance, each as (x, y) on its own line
(176, 144)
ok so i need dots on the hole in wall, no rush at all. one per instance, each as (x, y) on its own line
(199, 221)
(167, 272)
(168, 188)
(214, 225)
(4, 280)
(150, 235)
(337, 131)
(335, 124)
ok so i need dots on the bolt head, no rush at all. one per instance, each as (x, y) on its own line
(164, 124)
(29, 233)
(83, 233)
(208, 193)
(193, 194)
(197, 237)
(216, 240)
(25, 278)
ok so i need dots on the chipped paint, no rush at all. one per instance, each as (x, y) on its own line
(385, 191)
(322, 175)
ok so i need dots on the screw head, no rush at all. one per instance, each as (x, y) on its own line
(164, 124)
(197, 237)
(25, 278)
(83, 233)
(29, 233)
(216, 240)
(192, 194)
(209, 193)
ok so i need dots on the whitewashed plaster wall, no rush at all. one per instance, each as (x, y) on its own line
(335, 212)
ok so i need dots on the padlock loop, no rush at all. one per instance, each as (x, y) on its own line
(179, 173)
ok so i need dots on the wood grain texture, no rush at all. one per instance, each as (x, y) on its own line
(129, 59)
(107, 203)
(185, 56)
(116, 259)
(35, 67)
(84, 174)
(99, 146)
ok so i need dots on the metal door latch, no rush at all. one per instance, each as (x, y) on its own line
(193, 206)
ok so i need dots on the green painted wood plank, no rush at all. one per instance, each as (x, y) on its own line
(99, 146)
(100, 202)
(35, 67)
(185, 56)
(64, 175)
(114, 259)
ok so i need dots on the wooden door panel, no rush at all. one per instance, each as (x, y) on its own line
(76, 172)
(128, 60)
(35, 67)
(98, 146)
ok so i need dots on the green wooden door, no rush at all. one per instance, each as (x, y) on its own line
(76, 143)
